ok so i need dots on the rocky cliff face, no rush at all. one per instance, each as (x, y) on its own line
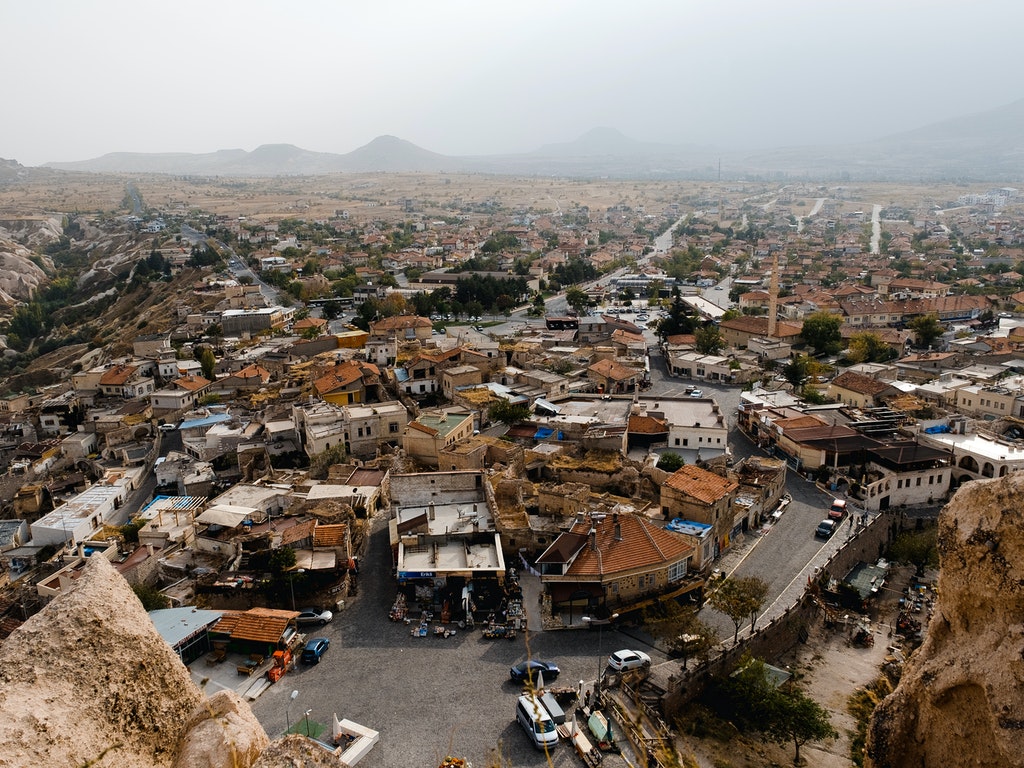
(959, 700)
(89, 681)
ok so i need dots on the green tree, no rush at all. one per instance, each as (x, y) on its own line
(709, 340)
(796, 370)
(739, 599)
(927, 328)
(152, 599)
(320, 464)
(917, 548)
(576, 298)
(680, 629)
(670, 462)
(868, 347)
(793, 716)
(821, 331)
(508, 413)
(208, 362)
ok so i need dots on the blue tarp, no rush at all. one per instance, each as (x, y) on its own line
(543, 433)
(938, 429)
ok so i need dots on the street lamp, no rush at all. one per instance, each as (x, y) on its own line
(306, 716)
(288, 712)
(599, 623)
(291, 584)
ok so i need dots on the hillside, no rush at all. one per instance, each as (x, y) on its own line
(985, 146)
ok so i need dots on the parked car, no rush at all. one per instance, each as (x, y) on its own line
(315, 649)
(697, 393)
(826, 528)
(314, 616)
(838, 510)
(528, 670)
(627, 659)
(168, 427)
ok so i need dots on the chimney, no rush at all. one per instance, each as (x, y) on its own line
(593, 540)
(618, 527)
(430, 511)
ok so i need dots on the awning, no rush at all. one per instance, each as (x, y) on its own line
(550, 407)
(224, 515)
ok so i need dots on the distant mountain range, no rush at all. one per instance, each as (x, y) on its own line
(987, 146)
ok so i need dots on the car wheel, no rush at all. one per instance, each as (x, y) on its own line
(323, 622)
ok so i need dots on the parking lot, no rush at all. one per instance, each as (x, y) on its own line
(428, 697)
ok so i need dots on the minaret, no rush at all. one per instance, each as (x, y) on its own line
(773, 296)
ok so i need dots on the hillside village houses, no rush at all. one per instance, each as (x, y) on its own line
(293, 441)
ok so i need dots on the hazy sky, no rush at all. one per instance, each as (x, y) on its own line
(85, 77)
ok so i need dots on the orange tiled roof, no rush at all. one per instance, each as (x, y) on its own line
(856, 382)
(613, 370)
(260, 625)
(330, 535)
(700, 484)
(118, 375)
(344, 374)
(191, 383)
(401, 322)
(643, 544)
(647, 425)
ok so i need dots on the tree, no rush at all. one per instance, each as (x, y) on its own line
(208, 362)
(927, 328)
(576, 298)
(821, 331)
(739, 599)
(868, 347)
(794, 716)
(709, 340)
(508, 413)
(679, 628)
(670, 462)
(796, 370)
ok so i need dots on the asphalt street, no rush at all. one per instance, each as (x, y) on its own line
(428, 697)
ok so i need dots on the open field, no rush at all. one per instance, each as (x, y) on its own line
(396, 197)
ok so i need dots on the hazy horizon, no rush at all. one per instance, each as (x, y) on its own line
(467, 78)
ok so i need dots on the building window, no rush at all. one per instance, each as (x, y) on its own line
(931, 479)
(686, 441)
(677, 571)
(918, 483)
(393, 427)
(677, 441)
(360, 431)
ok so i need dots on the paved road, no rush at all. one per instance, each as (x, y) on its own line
(428, 697)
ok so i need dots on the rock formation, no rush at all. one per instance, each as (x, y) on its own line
(89, 681)
(959, 699)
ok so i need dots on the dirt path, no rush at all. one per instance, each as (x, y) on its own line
(830, 669)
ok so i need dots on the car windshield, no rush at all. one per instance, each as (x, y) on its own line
(544, 726)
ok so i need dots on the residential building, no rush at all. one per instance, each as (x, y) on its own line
(693, 493)
(860, 391)
(433, 431)
(615, 564)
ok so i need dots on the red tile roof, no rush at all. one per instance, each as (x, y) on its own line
(700, 484)
(642, 545)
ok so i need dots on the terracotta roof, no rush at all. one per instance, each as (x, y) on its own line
(253, 371)
(344, 374)
(261, 625)
(297, 532)
(700, 484)
(309, 322)
(642, 545)
(613, 370)
(799, 422)
(118, 375)
(759, 326)
(647, 425)
(422, 428)
(856, 382)
(625, 337)
(191, 383)
(330, 535)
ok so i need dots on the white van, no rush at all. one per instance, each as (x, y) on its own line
(536, 721)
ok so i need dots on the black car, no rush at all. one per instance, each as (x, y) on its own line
(315, 649)
(528, 670)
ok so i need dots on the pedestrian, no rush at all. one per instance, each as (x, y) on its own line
(586, 699)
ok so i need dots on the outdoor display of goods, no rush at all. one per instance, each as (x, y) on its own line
(399, 609)
(454, 762)
(499, 630)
